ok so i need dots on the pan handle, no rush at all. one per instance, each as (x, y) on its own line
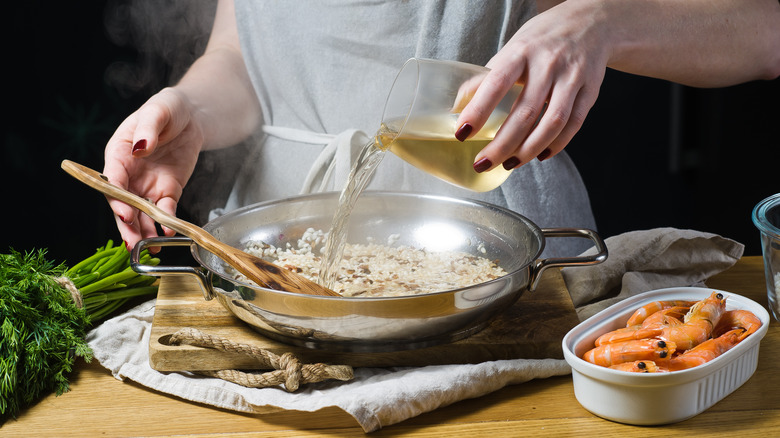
(541, 265)
(203, 276)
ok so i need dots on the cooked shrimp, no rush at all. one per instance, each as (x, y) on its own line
(648, 309)
(698, 324)
(743, 320)
(640, 349)
(652, 326)
(628, 334)
(671, 316)
(663, 342)
(619, 335)
(706, 351)
(638, 366)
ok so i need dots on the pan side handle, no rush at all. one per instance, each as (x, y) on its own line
(539, 266)
(158, 271)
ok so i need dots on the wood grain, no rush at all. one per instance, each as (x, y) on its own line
(532, 328)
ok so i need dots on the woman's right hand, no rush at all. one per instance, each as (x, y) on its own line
(153, 154)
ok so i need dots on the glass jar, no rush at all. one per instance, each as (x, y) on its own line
(766, 217)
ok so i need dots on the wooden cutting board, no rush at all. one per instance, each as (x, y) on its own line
(533, 328)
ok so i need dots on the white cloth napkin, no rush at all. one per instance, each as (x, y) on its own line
(379, 397)
(376, 397)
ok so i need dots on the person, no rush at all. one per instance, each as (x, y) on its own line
(310, 85)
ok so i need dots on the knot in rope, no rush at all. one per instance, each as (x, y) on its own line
(292, 368)
(287, 368)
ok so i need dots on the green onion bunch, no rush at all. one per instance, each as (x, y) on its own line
(43, 329)
(106, 280)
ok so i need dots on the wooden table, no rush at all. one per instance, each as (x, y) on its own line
(99, 405)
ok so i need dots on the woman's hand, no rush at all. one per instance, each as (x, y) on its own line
(561, 61)
(154, 151)
(152, 154)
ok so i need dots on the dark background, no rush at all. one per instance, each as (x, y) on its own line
(652, 154)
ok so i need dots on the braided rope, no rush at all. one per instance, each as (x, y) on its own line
(288, 370)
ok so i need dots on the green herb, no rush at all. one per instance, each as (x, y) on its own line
(106, 280)
(42, 327)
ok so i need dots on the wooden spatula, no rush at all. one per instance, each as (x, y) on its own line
(258, 270)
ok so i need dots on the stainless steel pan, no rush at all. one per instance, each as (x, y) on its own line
(377, 324)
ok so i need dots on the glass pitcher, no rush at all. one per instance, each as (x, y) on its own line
(418, 122)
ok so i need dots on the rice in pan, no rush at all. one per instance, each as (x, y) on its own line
(375, 270)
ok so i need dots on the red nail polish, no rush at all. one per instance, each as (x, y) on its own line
(511, 163)
(140, 145)
(545, 154)
(122, 218)
(482, 165)
(463, 132)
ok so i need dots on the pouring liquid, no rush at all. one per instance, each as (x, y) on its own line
(427, 143)
(359, 176)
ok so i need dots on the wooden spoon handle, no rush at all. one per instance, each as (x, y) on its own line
(258, 270)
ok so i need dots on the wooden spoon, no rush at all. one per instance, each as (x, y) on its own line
(258, 270)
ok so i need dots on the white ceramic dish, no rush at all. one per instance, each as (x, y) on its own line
(658, 398)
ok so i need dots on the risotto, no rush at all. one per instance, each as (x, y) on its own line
(382, 270)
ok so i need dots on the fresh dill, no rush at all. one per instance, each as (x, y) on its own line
(42, 328)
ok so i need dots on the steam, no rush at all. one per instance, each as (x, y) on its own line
(166, 35)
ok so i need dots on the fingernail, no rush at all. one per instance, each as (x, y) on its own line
(139, 146)
(482, 165)
(545, 154)
(463, 132)
(121, 218)
(511, 163)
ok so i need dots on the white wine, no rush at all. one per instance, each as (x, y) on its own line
(429, 144)
(360, 174)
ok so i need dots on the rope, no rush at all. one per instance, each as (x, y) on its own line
(288, 370)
